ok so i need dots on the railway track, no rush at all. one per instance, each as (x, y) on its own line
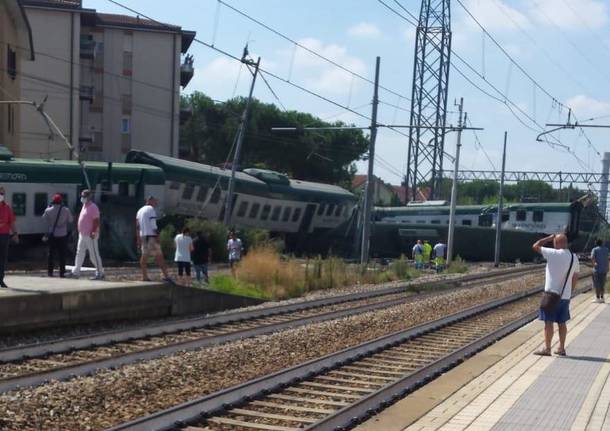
(339, 390)
(37, 364)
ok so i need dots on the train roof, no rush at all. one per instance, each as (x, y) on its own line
(15, 170)
(252, 180)
(477, 209)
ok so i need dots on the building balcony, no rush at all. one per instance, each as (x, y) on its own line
(86, 93)
(87, 48)
(186, 71)
(186, 112)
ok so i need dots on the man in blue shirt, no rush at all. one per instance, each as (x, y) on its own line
(599, 257)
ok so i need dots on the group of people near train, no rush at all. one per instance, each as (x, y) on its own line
(425, 256)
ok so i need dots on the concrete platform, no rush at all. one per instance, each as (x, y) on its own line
(40, 302)
(506, 387)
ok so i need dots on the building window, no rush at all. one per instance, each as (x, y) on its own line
(41, 202)
(125, 125)
(266, 211)
(203, 192)
(276, 213)
(254, 210)
(188, 191)
(243, 208)
(126, 103)
(538, 215)
(296, 215)
(127, 63)
(18, 204)
(10, 112)
(286, 215)
(11, 62)
(521, 215)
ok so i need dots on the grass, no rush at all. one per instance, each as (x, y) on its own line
(225, 283)
(457, 266)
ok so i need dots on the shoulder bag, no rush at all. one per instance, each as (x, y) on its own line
(550, 300)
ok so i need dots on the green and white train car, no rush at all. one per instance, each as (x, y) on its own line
(396, 229)
(263, 198)
(30, 184)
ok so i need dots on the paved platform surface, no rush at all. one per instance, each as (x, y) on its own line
(506, 387)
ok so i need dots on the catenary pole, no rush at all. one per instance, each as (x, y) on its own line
(450, 235)
(370, 184)
(500, 206)
(240, 138)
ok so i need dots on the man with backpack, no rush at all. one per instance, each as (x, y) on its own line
(58, 219)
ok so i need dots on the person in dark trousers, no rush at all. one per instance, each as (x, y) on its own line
(201, 256)
(599, 257)
(58, 219)
(7, 227)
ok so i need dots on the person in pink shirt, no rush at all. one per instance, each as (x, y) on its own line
(88, 235)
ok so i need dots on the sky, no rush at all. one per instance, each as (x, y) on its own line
(560, 52)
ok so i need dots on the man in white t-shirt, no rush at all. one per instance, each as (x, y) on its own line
(184, 246)
(561, 277)
(234, 249)
(147, 237)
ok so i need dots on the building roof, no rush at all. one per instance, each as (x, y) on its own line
(358, 180)
(68, 4)
(133, 21)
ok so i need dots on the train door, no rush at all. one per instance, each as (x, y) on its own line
(307, 217)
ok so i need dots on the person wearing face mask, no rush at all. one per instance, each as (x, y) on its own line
(7, 225)
(88, 235)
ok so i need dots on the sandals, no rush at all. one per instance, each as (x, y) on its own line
(542, 352)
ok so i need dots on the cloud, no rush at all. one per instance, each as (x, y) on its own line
(323, 76)
(494, 15)
(365, 30)
(571, 14)
(585, 106)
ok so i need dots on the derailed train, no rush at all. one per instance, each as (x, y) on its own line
(312, 217)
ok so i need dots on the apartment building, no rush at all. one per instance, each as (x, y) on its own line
(112, 82)
(15, 47)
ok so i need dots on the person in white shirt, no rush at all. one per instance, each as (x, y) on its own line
(184, 246)
(561, 277)
(147, 238)
(234, 248)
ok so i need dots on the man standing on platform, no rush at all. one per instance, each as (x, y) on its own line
(88, 236)
(7, 225)
(561, 277)
(58, 219)
(147, 238)
(599, 257)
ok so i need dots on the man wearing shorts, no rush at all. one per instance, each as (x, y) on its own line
(561, 274)
(182, 257)
(599, 257)
(147, 238)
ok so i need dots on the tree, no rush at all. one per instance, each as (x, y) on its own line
(325, 156)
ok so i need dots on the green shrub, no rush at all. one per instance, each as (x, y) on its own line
(402, 269)
(457, 266)
(224, 283)
(166, 239)
(217, 234)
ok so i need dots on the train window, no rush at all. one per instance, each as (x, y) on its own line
(188, 191)
(286, 215)
(106, 186)
(243, 208)
(203, 192)
(421, 222)
(266, 211)
(123, 188)
(467, 222)
(505, 217)
(215, 196)
(485, 220)
(296, 215)
(254, 210)
(321, 209)
(338, 210)
(174, 185)
(330, 209)
(275, 216)
(538, 215)
(435, 222)
(521, 215)
(41, 202)
(19, 204)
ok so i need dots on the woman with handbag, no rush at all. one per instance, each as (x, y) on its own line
(561, 277)
(58, 219)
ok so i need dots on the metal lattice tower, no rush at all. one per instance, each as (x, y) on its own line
(429, 97)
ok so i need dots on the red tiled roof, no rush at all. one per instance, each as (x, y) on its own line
(401, 192)
(358, 180)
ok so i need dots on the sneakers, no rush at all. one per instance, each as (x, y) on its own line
(98, 277)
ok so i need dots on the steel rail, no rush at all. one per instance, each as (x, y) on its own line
(223, 400)
(105, 338)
